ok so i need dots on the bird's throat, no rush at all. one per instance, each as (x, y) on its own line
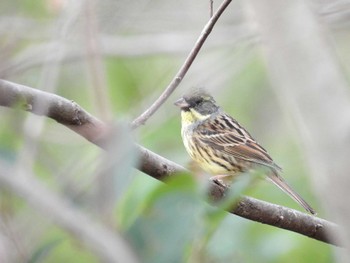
(191, 116)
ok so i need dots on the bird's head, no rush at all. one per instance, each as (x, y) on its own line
(197, 105)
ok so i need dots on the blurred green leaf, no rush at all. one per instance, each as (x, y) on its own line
(133, 201)
(167, 224)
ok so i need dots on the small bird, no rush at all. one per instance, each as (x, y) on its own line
(221, 146)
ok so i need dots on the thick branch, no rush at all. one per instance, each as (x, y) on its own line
(285, 218)
(68, 112)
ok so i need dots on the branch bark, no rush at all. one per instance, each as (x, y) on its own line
(77, 119)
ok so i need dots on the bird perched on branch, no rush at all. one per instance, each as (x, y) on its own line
(221, 146)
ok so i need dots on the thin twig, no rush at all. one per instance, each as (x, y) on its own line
(183, 70)
(76, 118)
(211, 7)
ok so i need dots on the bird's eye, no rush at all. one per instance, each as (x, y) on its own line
(198, 101)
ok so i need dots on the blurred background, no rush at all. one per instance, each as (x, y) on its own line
(114, 58)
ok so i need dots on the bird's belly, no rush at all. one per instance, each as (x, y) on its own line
(212, 167)
(207, 159)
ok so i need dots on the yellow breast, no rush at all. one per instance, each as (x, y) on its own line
(207, 159)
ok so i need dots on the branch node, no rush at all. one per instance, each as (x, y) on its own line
(318, 227)
(178, 79)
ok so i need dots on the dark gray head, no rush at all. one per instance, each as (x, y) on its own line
(199, 101)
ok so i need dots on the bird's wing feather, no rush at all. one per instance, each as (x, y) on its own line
(226, 135)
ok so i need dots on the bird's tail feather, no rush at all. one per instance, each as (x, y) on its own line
(282, 184)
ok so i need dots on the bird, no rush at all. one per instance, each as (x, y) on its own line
(221, 146)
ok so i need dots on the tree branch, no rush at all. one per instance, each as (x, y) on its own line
(183, 70)
(77, 119)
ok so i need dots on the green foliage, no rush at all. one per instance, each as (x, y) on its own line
(166, 225)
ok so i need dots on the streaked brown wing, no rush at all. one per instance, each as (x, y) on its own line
(226, 135)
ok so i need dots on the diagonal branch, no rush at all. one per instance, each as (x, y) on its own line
(77, 119)
(184, 68)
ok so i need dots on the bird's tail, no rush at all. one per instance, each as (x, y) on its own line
(282, 184)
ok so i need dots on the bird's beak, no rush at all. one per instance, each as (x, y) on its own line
(181, 103)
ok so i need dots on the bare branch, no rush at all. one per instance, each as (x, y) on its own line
(64, 111)
(286, 218)
(183, 70)
(74, 117)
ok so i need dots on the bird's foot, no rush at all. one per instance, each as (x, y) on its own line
(220, 180)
